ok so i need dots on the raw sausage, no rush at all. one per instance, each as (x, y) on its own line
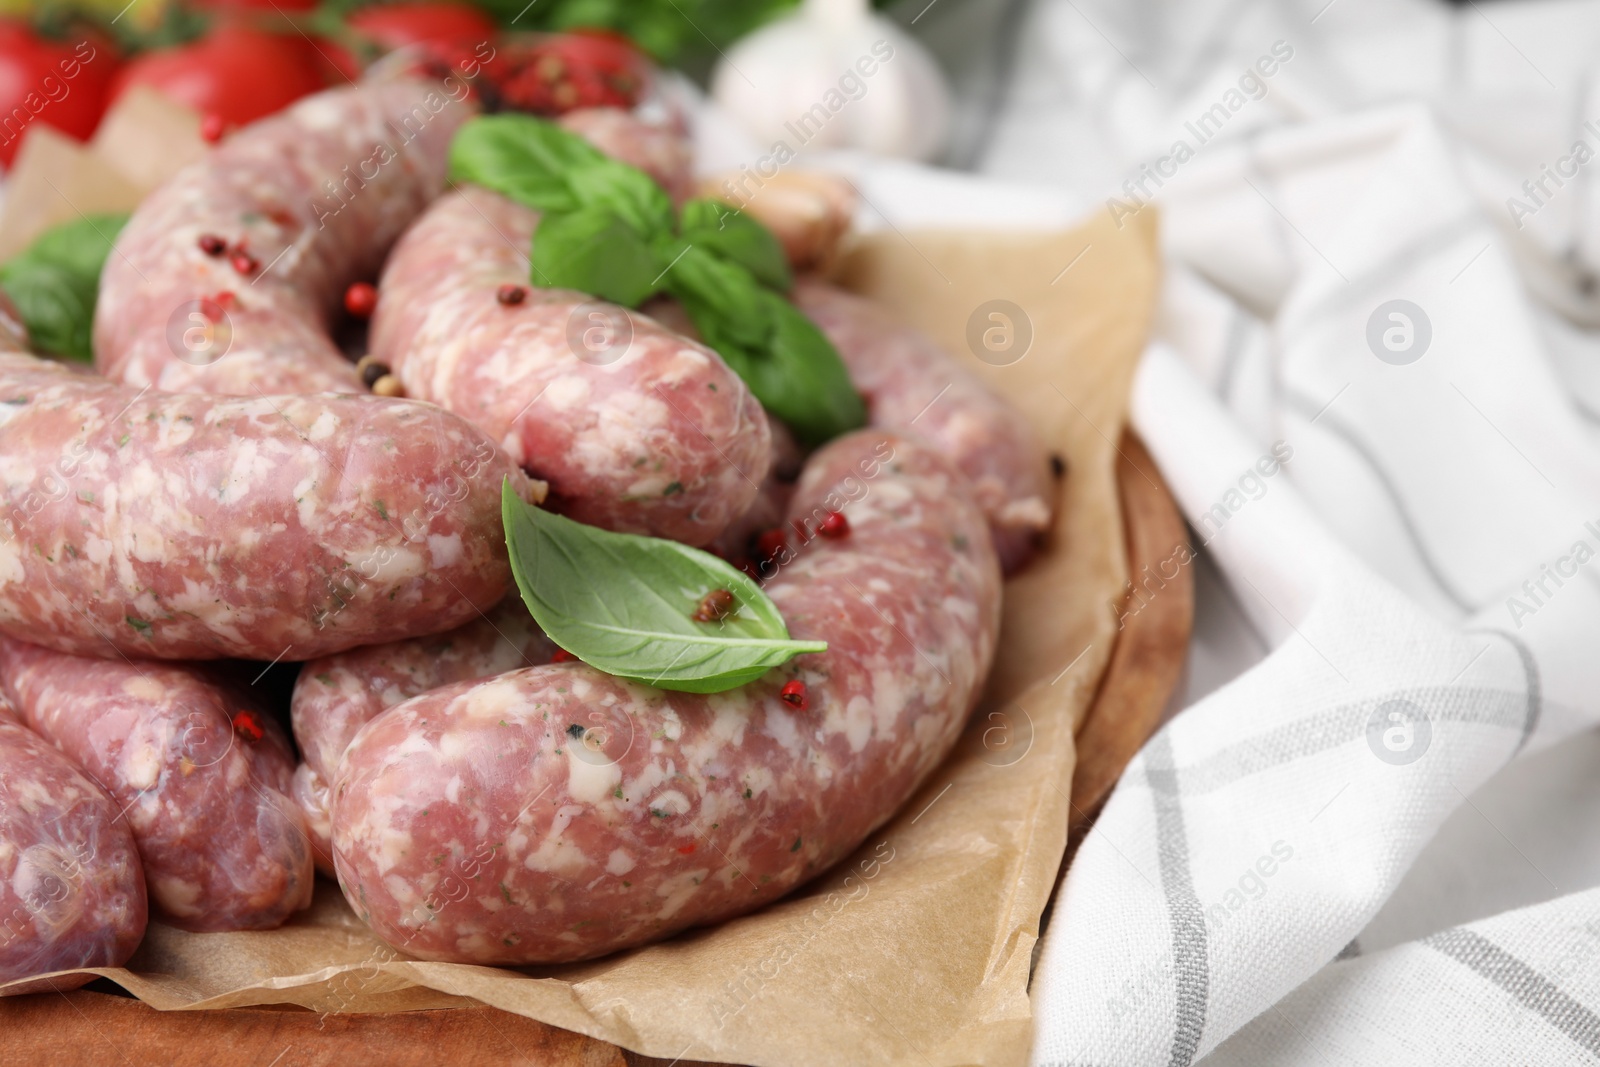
(302, 203)
(634, 427)
(196, 527)
(71, 888)
(912, 386)
(557, 813)
(202, 771)
(337, 695)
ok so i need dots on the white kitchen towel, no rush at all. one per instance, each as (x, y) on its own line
(1389, 449)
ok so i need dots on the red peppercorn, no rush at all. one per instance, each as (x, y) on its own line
(794, 694)
(686, 850)
(770, 543)
(834, 525)
(361, 299)
(224, 299)
(212, 245)
(562, 656)
(510, 295)
(246, 723)
(244, 262)
(211, 128)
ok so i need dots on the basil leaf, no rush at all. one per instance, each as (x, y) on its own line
(625, 604)
(539, 164)
(791, 367)
(720, 292)
(629, 192)
(609, 230)
(594, 251)
(738, 238)
(521, 157)
(56, 280)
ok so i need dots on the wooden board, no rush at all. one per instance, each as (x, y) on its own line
(93, 1029)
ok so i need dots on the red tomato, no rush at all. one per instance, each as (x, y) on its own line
(234, 72)
(415, 21)
(60, 83)
(549, 75)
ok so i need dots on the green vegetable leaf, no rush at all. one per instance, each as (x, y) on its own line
(625, 604)
(628, 191)
(55, 282)
(521, 157)
(781, 355)
(594, 251)
(737, 238)
(539, 164)
(608, 229)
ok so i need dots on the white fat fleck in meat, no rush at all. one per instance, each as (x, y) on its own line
(670, 802)
(178, 896)
(446, 551)
(566, 392)
(678, 890)
(142, 688)
(386, 565)
(324, 426)
(857, 722)
(620, 863)
(497, 700)
(142, 766)
(778, 722)
(11, 569)
(591, 776)
(556, 853)
(686, 364)
(891, 690)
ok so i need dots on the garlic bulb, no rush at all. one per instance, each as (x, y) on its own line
(835, 75)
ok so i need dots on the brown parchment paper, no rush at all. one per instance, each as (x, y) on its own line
(916, 950)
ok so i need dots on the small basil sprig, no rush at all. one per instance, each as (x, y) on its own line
(607, 228)
(626, 604)
(55, 281)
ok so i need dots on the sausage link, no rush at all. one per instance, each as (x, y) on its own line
(337, 695)
(71, 887)
(556, 813)
(913, 386)
(635, 427)
(195, 527)
(313, 197)
(202, 771)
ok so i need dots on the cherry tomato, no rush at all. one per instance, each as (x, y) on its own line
(60, 83)
(588, 68)
(235, 72)
(411, 22)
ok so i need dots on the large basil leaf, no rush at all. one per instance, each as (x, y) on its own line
(738, 238)
(625, 604)
(594, 251)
